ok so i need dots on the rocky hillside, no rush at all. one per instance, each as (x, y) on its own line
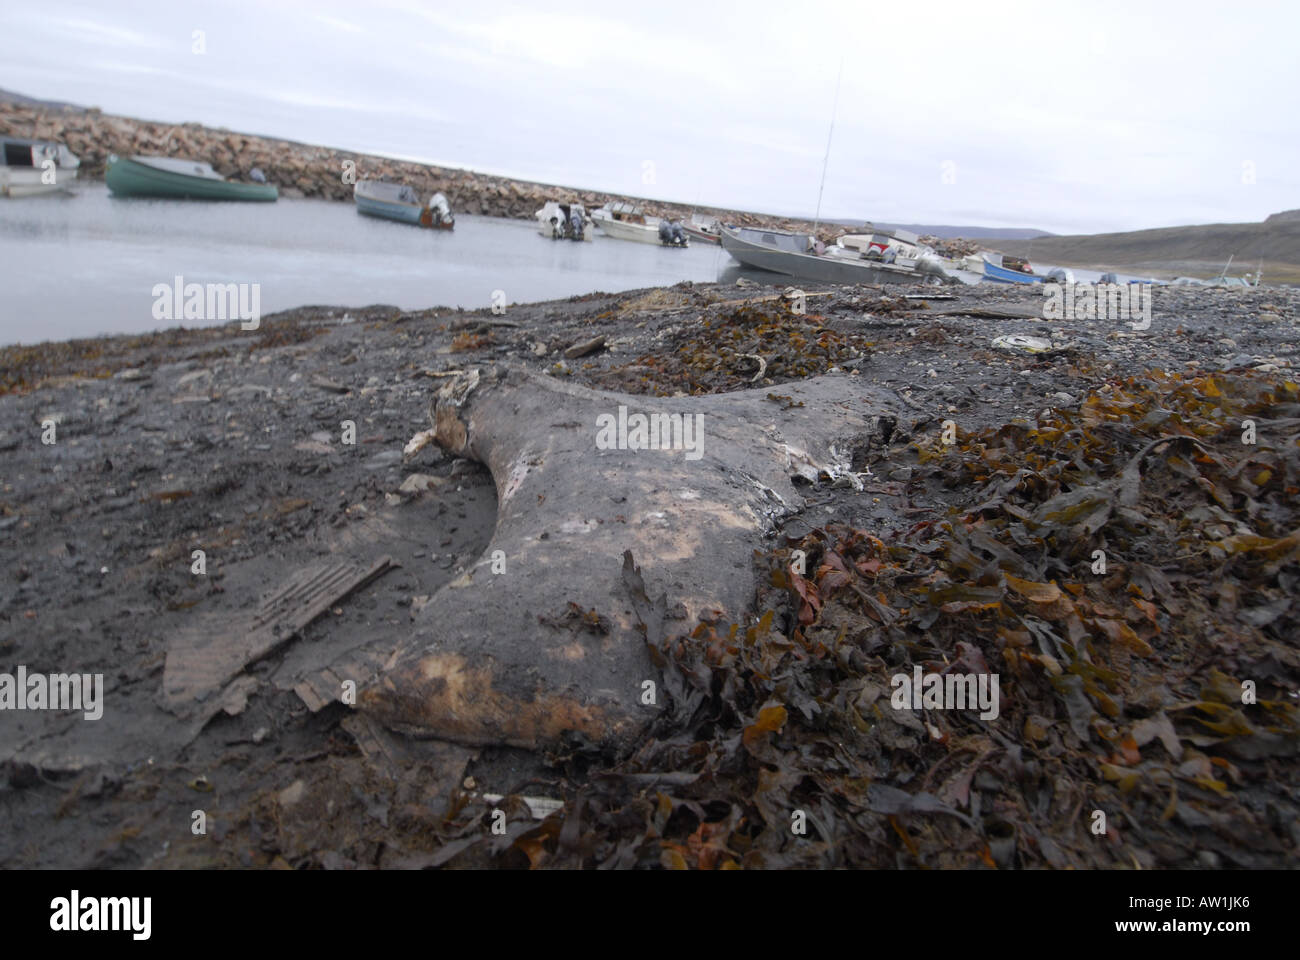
(1196, 251)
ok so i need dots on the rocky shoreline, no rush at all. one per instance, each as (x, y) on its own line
(303, 170)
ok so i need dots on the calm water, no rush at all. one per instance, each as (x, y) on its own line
(86, 264)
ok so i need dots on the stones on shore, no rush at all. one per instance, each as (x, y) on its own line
(418, 483)
(585, 347)
(325, 383)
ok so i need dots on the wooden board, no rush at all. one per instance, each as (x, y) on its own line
(205, 657)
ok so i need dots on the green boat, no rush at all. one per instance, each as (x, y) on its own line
(174, 177)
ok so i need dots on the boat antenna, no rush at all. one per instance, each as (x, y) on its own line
(1226, 266)
(826, 159)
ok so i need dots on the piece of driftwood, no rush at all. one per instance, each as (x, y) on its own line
(984, 313)
(585, 347)
(208, 655)
(768, 298)
(540, 636)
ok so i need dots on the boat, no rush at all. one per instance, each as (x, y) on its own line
(626, 221)
(706, 230)
(1223, 280)
(797, 255)
(175, 178)
(397, 201)
(899, 247)
(564, 221)
(878, 243)
(32, 167)
(1006, 269)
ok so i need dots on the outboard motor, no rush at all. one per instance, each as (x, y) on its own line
(575, 225)
(665, 232)
(441, 209)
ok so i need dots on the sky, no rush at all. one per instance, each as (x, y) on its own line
(1070, 117)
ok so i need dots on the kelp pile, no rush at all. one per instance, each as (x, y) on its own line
(744, 346)
(1127, 569)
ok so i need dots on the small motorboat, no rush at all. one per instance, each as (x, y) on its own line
(705, 230)
(1006, 269)
(564, 221)
(397, 201)
(626, 221)
(32, 167)
(174, 178)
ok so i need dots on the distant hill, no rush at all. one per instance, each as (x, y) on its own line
(8, 96)
(1272, 245)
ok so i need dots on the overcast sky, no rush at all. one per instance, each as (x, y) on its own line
(1072, 117)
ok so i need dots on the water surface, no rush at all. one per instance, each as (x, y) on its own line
(85, 264)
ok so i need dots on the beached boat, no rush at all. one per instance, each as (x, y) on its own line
(1005, 269)
(175, 178)
(625, 221)
(396, 201)
(795, 255)
(898, 247)
(564, 221)
(32, 167)
(704, 229)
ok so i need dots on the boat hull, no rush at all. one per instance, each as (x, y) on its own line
(791, 263)
(695, 233)
(401, 213)
(26, 181)
(1002, 275)
(638, 232)
(127, 178)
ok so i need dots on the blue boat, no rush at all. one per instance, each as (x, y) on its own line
(396, 201)
(1004, 269)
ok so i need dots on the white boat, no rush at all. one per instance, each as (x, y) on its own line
(626, 221)
(31, 167)
(564, 221)
(901, 248)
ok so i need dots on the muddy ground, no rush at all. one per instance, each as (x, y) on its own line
(230, 442)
